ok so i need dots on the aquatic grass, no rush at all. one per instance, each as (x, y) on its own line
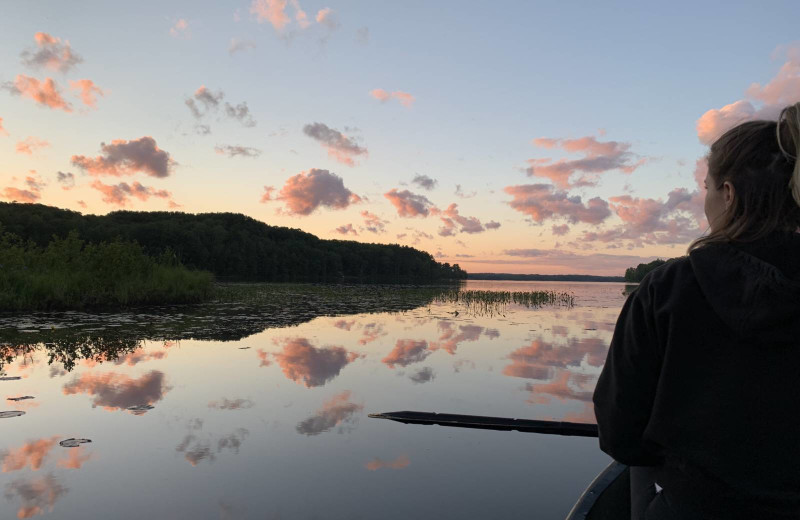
(494, 301)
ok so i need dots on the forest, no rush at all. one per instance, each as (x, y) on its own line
(637, 274)
(232, 246)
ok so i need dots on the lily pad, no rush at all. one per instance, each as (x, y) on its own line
(73, 443)
(21, 398)
(11, 413)
(139, 409)
(9, 378)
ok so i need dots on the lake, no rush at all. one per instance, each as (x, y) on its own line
(240, 416)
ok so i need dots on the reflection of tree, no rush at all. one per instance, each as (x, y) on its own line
(67, 348)
(241, 312)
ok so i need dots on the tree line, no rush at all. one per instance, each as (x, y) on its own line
(637, 274)
(233, 246)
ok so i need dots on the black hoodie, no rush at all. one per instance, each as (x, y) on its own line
(703, 379)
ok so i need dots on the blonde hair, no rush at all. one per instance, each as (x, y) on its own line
(791, 115)
(759, 158)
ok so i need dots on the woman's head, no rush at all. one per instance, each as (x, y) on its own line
(753, 181)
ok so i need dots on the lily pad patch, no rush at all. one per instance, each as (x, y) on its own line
(73, 443)
(11, 413)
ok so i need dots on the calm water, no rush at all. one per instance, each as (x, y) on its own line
(274, 425)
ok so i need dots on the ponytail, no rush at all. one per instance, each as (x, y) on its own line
(790, 118)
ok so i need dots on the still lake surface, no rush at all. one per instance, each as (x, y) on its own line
(272, 423)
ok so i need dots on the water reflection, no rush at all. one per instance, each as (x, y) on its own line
(231, 404)
(303, 363)
(37, 495)
(424, 375)
(197, 446)
(406, 352)
(338, 411)
(115, 391)
(402, 461)
(32, 454)
(278, 397)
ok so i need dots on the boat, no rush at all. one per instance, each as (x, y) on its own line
(608, 497)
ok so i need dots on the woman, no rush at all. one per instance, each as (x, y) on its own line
(702, 380)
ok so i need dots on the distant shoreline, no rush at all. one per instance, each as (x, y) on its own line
(544, 277)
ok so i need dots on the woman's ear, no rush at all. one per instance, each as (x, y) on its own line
(728, 193)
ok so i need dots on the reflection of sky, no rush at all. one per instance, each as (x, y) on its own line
(280, 429)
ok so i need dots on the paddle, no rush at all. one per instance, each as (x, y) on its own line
(491, 423)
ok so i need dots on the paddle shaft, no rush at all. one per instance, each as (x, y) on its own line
(492, 423)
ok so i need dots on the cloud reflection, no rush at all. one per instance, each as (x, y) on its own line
(303, 363)
(32, 453)
(400, 462)
(196, 449)
(115, 391)
(37, 495)
(338, 410)
(406, 352)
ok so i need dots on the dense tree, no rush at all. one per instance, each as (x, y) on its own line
(637, 274)
(233, 246)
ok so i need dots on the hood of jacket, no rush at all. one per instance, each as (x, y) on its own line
(754, 287)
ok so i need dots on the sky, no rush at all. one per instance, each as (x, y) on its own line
(517, 137)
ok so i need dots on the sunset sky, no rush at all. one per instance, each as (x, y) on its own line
(520, 137)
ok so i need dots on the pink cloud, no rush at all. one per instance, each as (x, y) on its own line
(542, 202)
(115, 391)
(561, 230)
(404, 98)
(76, 459)
(373, 223)
(566, 386)
(336, 411)
(402, 461)
(761, 102)
(305, 192)
(409, 204)
(454, 222)
(31, 145)
(451, 337)
(123, 157)
(88, 91)
(3, 131)
(121, 193)
(32, 193)
(37, 495)
(272, 11)
(303, 363)
(598, 158)
(406, 352)
(299, 15)
(346, 229)
(50, 53)
(180, 29)
(327, 18)
(44, 93)
(340, 147)
(32, 453)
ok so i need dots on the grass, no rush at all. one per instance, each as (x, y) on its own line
(493, 301)
(71, 274)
